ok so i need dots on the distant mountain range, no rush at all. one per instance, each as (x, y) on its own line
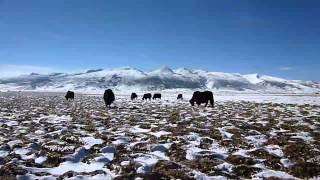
(127, 78)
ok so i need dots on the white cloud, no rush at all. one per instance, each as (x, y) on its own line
(12, 70)
(286, 68)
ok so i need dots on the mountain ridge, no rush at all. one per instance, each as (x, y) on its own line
(126, 78)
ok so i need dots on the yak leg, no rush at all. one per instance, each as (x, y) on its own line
(206, 104)
(212, 102)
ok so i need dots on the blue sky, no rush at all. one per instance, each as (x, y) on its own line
(274, 37)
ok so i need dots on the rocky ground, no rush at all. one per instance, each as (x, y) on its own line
(42, 136)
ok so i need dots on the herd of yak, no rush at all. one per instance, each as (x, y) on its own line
(197, 97)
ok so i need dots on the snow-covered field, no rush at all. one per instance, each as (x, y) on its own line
(257, 136)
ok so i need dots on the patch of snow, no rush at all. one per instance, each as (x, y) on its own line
(22, 152)
(121, 140)
(79, 167)
(107, 154)
(161, 147)
(201, 176)
(160, 155)
(274, 149)
(192, 153)
(31, 177)
(257, 140)
(4, 153)
(95, 177)
(147, 162)
(40, 159)
(90, 141)
(304, 136)
(160, 133)
(54, 119)
(227, 167)
(14, 142)
(137, 130)
(125, 163)
(286, 163)
(242, 152)
(271, 173)
(11, 123)
(225, 134)
(39, 132)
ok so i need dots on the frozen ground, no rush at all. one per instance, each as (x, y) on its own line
(244, 136)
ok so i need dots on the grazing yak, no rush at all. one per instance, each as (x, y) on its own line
(69, 95)
(108, 97)
(202, 97)
(180, 96)
(146, 96)
(156, 96)
(134, 96)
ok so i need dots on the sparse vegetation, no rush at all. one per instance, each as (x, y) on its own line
(174, 116)
(180, 142)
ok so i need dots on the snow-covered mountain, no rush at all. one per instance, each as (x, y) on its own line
(129, 79)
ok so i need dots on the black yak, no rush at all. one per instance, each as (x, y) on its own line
(134, 96)
(180, 96)
(202, 97)
(156, 96)
(146, 96)
(108, 97)
(69, 95)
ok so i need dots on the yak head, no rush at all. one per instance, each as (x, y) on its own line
(194, 98)
(192, 102)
